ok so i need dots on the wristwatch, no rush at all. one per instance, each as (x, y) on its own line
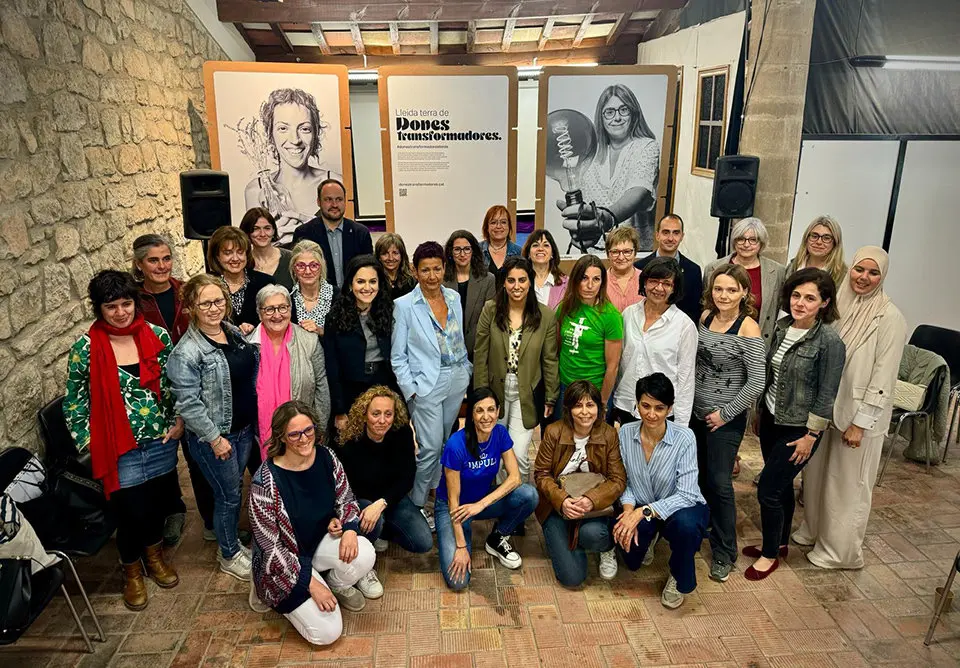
(814, 434)
(647, 513)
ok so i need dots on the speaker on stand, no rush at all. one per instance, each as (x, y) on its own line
(734, 188)
(205, 198)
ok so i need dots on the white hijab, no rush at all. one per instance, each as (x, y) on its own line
(857, 312)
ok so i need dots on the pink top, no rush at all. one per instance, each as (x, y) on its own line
(624, 298)
(273, 382)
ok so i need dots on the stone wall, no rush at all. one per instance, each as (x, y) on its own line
(101, 107)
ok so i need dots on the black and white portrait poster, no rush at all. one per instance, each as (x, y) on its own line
(278, 134)
(601, 152)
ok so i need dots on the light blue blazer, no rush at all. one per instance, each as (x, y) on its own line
(415, 352)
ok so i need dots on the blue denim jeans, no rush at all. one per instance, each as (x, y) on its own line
(570, 566)
(226, 480)
(150, 459)
(510, 512)
(403, 524)
(684, 532)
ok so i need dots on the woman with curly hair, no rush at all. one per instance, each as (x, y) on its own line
(466, 272)
(358, 328)
(380, 459)
(391, 253)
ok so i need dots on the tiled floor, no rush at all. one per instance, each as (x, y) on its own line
(800, 616)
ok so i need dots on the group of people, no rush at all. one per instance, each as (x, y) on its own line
(335, 374)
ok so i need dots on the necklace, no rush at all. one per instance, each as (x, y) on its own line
(497, 249)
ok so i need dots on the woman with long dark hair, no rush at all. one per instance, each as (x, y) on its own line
(261, 227)
(391, 253)
(466, 272)
(357, 338)
(550, 282)
(468, 491)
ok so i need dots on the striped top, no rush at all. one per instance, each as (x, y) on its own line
(731, 373)
(668, 482)
(792, 336)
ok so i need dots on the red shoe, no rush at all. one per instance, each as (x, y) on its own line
(753, 574)
(753, 551)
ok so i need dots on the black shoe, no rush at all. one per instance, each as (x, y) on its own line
(173, 529)
(499, 546)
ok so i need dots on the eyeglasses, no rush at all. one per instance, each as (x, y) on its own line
(464, 250)
(747, 241)
(825, 238)
(499, 223)
(622, 253)
(609, 113)
(303, 433)
(283, 309)
(660, 282)
(307, 266)
(215, 303)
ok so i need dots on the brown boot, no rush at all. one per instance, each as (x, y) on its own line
(134, 588)
(161, 572)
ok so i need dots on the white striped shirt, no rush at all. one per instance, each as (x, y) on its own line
(668, 482)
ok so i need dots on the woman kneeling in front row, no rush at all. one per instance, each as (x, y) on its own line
(471, 458)
(581, 443)
(305, 521)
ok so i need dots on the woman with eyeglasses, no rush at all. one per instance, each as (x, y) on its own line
(467, 273)
(229, 258)
(550, 283)
(312, 295)
(261, 227)
(307, 554)
(822, 249)
(496, 230)
(623, 279)
(391, 253)
(213, 372)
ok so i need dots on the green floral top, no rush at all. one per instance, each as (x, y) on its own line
(149, 417)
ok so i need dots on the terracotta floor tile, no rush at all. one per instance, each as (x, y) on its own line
(619, 656)
(442, 661)
(472, 640)
(520, 647)
(691, 650)
(646, 642)
(572, 657)
(504, 615)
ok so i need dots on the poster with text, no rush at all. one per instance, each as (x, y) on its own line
(449, 148)
(603, 149)
(278, 131)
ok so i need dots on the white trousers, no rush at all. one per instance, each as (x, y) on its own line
(837, 495)
(316, 626)
(513, 421)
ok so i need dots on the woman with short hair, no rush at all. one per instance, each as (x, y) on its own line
(550, 282)
(391, 253)
(229, 258)
(822, 248)
(497, 231)
(623, 279)
(261, 227)
(467, 273)
(313, 294)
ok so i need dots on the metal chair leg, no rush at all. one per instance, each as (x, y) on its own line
(76, 618)
(83, 593)
(954, 413)
(943, 600)
(893, 443)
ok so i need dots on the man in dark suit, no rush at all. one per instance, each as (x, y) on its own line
(669, 233)
(340, 238)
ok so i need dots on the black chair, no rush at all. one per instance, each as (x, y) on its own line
(946, 343)
(60, 451)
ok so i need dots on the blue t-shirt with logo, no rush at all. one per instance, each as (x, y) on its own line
(476, 474)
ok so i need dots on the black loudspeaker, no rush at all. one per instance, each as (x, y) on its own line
(734, 186)
(205, 196)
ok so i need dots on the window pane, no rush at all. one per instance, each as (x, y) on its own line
(719, 87)
(703, 145)
(715, 148)
(706, 98)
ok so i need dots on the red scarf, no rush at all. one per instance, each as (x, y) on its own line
(110, 431)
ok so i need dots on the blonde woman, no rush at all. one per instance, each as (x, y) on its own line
(312, 295)
(822, 249)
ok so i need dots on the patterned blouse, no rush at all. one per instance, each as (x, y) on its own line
(513, 353)
(318, 313)
(150, 416)
(236, 298)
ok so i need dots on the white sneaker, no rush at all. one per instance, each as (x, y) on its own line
(648, 557)
(350, 598)
(239, 566)
(369, 585)
(428, 516)
(671, 598)
(380, 545)
(255, 603)
(608, 564)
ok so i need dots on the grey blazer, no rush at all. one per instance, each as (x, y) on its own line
(772, 275)
(479, 290)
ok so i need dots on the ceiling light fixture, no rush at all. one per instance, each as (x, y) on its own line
(943, 63)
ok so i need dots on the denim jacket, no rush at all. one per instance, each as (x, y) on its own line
(809, 376)
(200, 379)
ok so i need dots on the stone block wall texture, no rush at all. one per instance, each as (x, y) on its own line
(101, 108)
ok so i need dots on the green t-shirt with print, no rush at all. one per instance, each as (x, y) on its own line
(582, 337)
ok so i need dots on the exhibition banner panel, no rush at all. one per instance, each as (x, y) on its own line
(279, 130)
(603, 152)
(449, 148)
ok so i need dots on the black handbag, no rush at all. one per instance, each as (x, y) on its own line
(16, 590)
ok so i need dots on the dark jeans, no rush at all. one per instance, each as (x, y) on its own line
(403, 524)
(201, 490)
(570, 566)
(716, 454)
(684, 532)
(140, 513)
(775, 491)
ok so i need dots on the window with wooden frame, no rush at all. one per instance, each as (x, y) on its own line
(711, 108)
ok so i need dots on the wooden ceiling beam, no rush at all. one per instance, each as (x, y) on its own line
(395, 37)
(545, 33)
(321, 39)
(434, 37)
(357, 38)
(471, 35)
(618, 28)
(507, 34)
(282, 37)
(585, 24)
(245, 36)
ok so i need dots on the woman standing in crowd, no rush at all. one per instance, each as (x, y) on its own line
(497, 231)
(261, 227)
(381, 462)
(391, 253)
(228, 256)
(749, 238)
(467, 273)
(803, 373)
(118, 405)
(517, 354)
(213, 372)
(358, 328)
(590, 331)
(580, 443)
(822, 249)
(429, 358)
(471, 459)
(657, 336)
(161, 305)
(730, 377)
(838, 484)
(312, 295)
(623, 279)
(306, 522)
(550, 283)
